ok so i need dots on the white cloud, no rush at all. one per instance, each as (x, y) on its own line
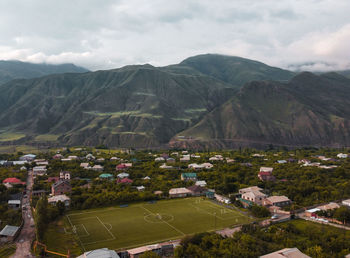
(109, 34)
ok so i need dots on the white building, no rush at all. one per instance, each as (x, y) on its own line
(346, 202)
(342, 156)
(62, 198)
(39, 170)
(201, 183)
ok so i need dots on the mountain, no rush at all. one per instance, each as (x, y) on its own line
(205, 101)
(345, 73)
(135, 106)
(309, 110)
(10, 70)
(235, 70)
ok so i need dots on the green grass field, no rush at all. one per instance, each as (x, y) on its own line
(146, 223)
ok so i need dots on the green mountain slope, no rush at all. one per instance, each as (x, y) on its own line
(135, 106)
(309, 110)
(10, 70)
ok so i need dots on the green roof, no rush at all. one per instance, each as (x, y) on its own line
(105, 175)
(189, 175)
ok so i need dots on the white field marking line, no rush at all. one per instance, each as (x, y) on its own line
(87, 233)
(113, 237)
(212, 214)
(109, 225)
(227, 209)
(102, 210)
(206, 212)
(70, 222)
(166, 222)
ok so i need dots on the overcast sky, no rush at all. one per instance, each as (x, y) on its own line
(103, 34)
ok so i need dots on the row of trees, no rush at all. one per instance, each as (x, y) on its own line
(253, 241)
(44, 214)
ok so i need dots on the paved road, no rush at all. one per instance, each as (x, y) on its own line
(27, 234)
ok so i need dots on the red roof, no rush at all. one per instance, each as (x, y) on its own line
(124, 181)
(13, 180)
(122, 166)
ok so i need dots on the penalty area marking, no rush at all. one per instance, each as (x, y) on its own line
(110, 226)
(113, 237)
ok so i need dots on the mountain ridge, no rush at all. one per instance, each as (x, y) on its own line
(210, 100)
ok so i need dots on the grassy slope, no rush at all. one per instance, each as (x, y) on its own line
(309, 110)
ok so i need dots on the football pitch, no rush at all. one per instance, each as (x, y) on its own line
(147, 223)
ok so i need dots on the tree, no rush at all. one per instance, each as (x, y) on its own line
(41, 217)
(61, 207)
(260, 211)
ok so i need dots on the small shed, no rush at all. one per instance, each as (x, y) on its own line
(8, 233)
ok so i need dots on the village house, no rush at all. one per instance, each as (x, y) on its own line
(13, 181)
(123, 166)
(188, 176)
(252, 194)
(41, 162)
(282, 161)
(73, 157)
(28, 157)
(279, 201)
(59, 198)
(8, 233)
(179, 192)
(100, 253)
(346, 202)
(170, 160)
(85, 165)
(140, 188)
(228, 160)
(124, 181)
(123, 175)
(342, 155)
(159, 159)
(14, 204)
(197, 190)
(39, 192)
(329, 206)
(61, 187)
(106, 176)
(201, 183)
(162, 250)
(165, 166)
(65, 175)
(39, 170)
(97, 168)
(286, 253)
(185, 158)
(222, 199)
(265, 174)
(90, 157)
(196, 166)
(57, 156)
(100, 160)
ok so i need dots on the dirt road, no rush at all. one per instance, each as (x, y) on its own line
(27, 235)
